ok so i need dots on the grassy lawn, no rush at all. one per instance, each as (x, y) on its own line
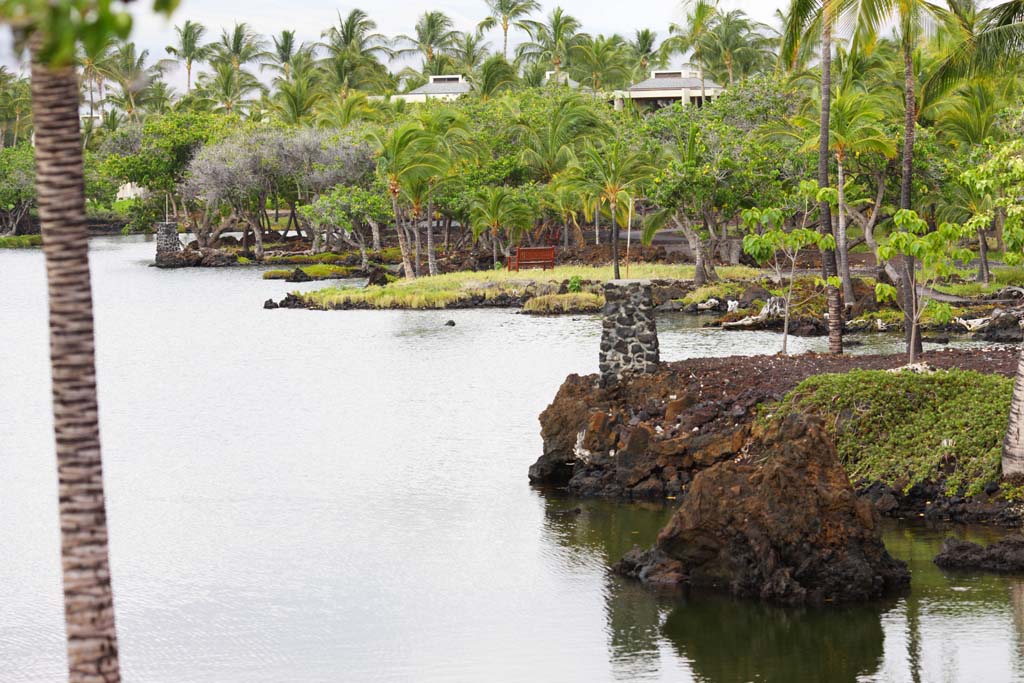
(21, 241)
(1002, 276)
(444, 290)
(320, 271)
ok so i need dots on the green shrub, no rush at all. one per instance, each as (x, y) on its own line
(575, 285)
(903, 428)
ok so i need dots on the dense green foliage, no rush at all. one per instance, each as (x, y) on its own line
(903, 428)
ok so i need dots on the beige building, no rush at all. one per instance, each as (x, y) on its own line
(445, 88)
(665, 88)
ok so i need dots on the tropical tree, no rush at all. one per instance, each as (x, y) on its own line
(494, 76)
(434, 36)
(735, 47)
(509, 14)
(551, 147)
(54, 32)
(95, 62)
(693, 36)
(228, 90)
(404, 155)
(238, 47)
(804, 17)
(497, 211)
(645, 52)
(189, 48)
(615, 174)
(600, 62)
(551, 42)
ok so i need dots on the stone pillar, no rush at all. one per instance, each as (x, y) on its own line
(629, 338)
(167, 242)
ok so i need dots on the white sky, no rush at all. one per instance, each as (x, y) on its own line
(310, 17)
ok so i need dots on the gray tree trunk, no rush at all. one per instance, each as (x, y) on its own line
(1013, 444)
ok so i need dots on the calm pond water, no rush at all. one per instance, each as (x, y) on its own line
(300, 496)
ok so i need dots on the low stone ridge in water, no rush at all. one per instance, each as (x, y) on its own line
(783, 524)
(1006, 555)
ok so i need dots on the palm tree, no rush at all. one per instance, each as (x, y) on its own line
(132, 76)
(551, 42)
(551, 148)
(403, 156)
(612, 173)
(227, 90)
(600, 62)
(296, 98)
(495, 76)
(693, 36)
(822, 14)
(190, 48)
(238, 47)
(468, 52)
(508, 14)
(435, 35)
(497, 210)
(90, 630)
(645, 52)
(279, 58)
(735, 47)
(356, 34)
(911, 17)
(94, 60)
(344, 110)
(998, 43)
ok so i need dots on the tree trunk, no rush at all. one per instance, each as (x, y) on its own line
(416, 243)
(1013, 444)
(403, 245)
(447, 232)
(841, 244)
(88, 596)
(431, 256)
(828, 257)
(597, 224)
(984, 274)
(375, 233)
(615, 242)
(913, 338)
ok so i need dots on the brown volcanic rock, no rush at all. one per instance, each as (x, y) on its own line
(782, 524)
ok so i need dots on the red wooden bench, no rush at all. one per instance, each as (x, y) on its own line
(533, 257)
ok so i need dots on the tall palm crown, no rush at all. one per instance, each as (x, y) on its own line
(283, 50)
(238, 47)
(508, 14)
(734, 47)
(133, 77)
(601, 62)
(691, 37)
(435, 34)
(644, 47)
(356, 34)
(997, 40)
(552, 41)
(551, 148)
(189, 47)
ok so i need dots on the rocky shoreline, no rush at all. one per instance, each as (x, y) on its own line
(647, 438)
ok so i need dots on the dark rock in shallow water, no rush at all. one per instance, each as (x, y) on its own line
(1003, 329)
(1006, 555)
(292, 301)
(299, 275)
(783, 525)
(450, 323)
(270, 304)
(376, 276)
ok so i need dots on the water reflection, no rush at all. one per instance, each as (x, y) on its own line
(951, 626)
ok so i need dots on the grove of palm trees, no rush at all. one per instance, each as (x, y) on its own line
(797, 245)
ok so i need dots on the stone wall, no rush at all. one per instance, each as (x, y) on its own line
(629, 338)
(167, 243)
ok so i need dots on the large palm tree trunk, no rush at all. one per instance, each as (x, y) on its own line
(828, 257)
(403, 245)
(615, 243)
(842, 245)
(88, 598)
(1013, 444)
(431, 255)
(913, 338)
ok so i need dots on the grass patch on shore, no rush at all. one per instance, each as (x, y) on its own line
(554, 304)
(718, 290)
(902, 428)
(21, 241)
(1001, 276)
(319, 271)
(445, 290)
